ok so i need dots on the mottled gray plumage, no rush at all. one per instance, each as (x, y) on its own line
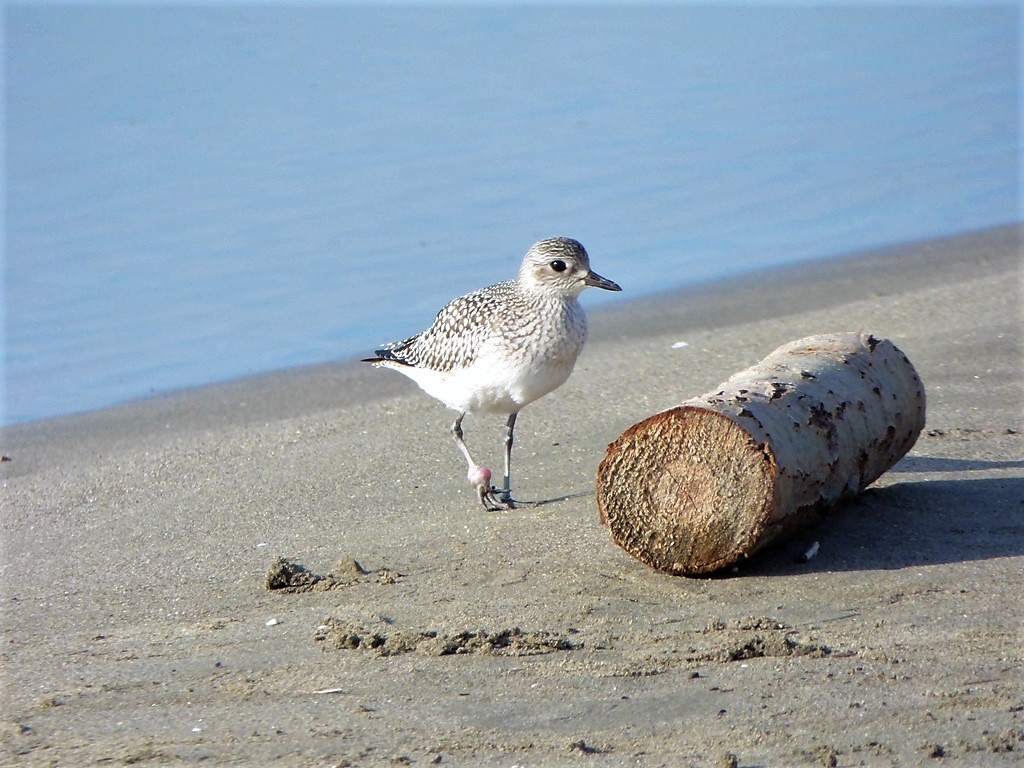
(462, 326)
(504, 346)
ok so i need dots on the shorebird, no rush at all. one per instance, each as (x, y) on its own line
(498, 349)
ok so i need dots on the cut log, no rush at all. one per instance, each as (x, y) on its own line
(703, 485)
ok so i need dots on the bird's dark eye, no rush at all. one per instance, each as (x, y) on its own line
(558, 265)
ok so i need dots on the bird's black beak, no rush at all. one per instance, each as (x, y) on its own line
(596, 281)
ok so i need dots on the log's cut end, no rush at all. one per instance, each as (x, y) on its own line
(687, 490)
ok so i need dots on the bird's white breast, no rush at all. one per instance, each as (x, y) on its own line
(513, 366)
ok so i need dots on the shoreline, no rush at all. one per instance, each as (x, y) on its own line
(713, 303)
(135, 542)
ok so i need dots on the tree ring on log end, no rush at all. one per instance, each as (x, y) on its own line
(687, 490)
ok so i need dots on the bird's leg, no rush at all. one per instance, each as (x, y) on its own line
(479, 477)
(510, 425)
(457, 434)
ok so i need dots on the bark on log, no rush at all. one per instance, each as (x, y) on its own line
(703, 485)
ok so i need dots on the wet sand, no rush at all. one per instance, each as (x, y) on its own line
(138, 628)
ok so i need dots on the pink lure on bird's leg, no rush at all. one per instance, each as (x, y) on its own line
(479, 476)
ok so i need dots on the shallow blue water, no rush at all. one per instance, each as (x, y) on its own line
(200, 193)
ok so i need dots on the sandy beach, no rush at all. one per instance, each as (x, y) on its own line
(138, 628)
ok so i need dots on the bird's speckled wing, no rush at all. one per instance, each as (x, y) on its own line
(458, 332)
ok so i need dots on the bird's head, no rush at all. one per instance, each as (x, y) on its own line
(560, 266)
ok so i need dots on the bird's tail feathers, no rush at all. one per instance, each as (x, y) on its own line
(391, 353)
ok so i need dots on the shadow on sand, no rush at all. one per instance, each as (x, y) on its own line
(941, 464)
(908, 524)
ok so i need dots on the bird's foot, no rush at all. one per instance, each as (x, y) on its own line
(504, 498)
(493, 499)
